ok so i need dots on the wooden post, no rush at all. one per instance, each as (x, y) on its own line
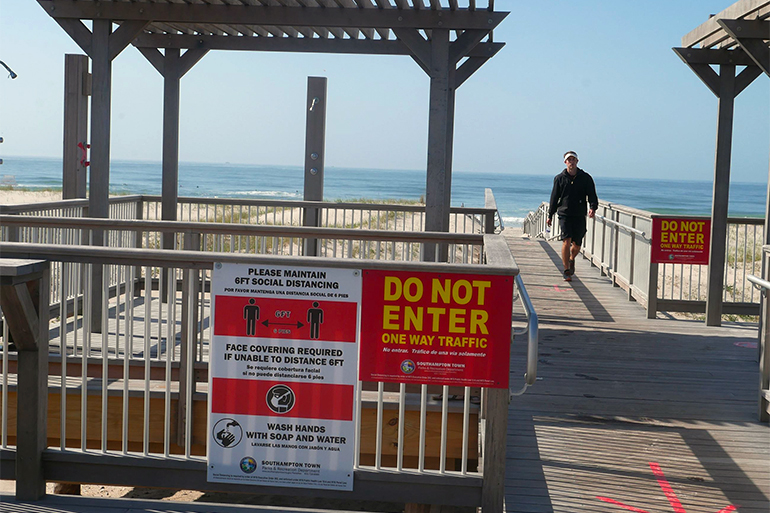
(438, 186)
(495, 406)
(170, 177)
(721, 194)
(99, 183)
(170, 180)
(77, 88)
(652, 291)
(24, 289)
(489, 217)
(764, 332)
(315, 149)
(764, 354)
(631, 260)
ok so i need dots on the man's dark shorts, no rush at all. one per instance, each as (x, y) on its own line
(573, 227)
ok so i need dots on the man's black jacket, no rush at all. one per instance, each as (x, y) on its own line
(569, 193)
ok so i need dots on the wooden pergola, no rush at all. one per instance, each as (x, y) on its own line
(449, 41)
(738, 37)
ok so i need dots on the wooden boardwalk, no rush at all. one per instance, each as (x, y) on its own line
(630, 414)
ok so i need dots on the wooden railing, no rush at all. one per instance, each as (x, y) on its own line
(763, 356)
(147, 367)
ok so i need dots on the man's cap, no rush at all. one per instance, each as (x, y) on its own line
(570, 154)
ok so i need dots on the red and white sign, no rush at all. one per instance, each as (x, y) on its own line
(282, 375)
(680, 240)
(436, 328)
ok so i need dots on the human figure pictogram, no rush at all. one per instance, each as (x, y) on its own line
(315, 316)
(251, 314)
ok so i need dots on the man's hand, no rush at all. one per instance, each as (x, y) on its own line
(591, 212)
(548, 222)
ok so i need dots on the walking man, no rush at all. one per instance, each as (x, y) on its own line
(571, 188)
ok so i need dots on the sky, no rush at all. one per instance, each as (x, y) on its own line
(594, 76)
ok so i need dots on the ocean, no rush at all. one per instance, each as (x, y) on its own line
(516, 195)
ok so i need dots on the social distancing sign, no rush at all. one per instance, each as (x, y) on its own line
(290, 344)
(282, 375)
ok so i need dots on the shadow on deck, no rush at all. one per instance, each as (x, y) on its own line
(630, 413)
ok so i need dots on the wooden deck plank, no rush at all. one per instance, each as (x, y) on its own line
(619, 395)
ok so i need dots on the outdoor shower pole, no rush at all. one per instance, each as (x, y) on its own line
(315, 146)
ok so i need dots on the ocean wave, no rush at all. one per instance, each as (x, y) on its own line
(272, 194)
(513, 221)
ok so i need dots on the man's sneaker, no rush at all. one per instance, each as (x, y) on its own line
(571, 267)
(567, 276)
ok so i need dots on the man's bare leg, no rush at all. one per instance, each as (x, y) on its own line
(565, 252)
(574, 251)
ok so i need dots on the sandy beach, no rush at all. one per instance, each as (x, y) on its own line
(15, 197)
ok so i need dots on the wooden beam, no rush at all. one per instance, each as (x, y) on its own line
(737, 10)
(271, 44)
(286, 16)
(155, 58)
(417, 47)
(78, 32)
(735, 56)
(464, 44)
(468, 68)
(189, 59)
(702, 70)
(20, 314)
(745, 78)
(751, 36)
(124, 34)
(287, 44)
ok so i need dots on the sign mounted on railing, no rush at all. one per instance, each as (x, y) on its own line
(282, 375)
(680, 240)
(436, 328)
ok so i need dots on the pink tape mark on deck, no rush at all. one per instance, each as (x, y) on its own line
(667, 490)
(624, 506)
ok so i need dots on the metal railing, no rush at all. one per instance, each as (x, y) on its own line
(532, 332)
(618, 242)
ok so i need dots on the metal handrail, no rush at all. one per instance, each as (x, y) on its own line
(623, 227)
(758, 282)
(532, 336)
